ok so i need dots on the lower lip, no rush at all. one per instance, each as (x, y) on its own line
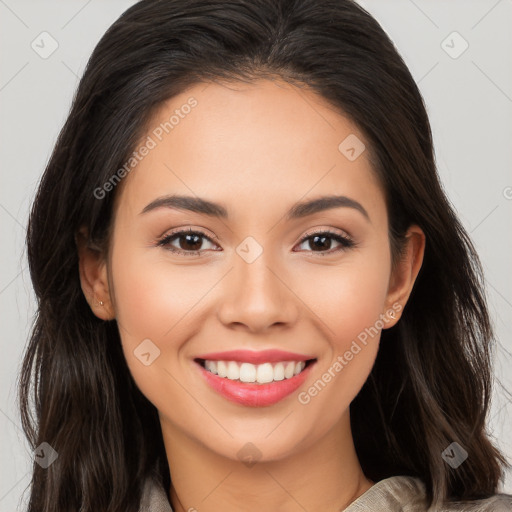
(254, 395)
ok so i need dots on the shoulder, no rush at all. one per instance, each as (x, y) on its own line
(154, 497)
(408, 494)
(394, 494)
(496, 503)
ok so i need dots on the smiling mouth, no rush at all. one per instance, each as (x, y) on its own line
(255, 373)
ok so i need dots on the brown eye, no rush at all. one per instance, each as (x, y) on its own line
(322, 242)
(188, 242)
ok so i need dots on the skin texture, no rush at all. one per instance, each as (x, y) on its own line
(257, 149)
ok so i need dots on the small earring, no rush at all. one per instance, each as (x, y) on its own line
(98, 302)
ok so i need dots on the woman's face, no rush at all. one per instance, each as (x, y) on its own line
(255, 278)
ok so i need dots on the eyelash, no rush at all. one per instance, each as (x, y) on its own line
(345, 242)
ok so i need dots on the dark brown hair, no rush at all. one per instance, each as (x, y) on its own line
(431, 383)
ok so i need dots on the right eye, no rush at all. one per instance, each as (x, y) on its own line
(189, 242)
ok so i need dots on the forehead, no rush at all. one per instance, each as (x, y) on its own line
(250, 145)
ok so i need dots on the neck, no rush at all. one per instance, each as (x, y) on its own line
(323, 477)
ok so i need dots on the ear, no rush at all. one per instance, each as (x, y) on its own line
(94, 276)
(404, 275)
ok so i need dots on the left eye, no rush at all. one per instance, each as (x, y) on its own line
(190, 242)
(324, 238)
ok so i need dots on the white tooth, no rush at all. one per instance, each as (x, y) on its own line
(279, 371)
(211, 366)
(289, 369)
(222, 369)
(233, 371)
(247, 372)
(264, 373)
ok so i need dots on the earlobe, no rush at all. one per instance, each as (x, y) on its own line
(94, 277)
(404, 275)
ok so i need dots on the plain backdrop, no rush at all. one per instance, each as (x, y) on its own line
(460, 54)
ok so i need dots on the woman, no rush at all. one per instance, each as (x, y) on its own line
(253, 293)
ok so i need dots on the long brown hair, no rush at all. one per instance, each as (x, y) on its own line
(431, 383)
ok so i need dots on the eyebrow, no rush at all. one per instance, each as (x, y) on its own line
(297, 211)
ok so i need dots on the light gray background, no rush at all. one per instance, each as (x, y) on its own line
(469, 100)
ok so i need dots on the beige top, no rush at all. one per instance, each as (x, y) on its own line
(394, 494)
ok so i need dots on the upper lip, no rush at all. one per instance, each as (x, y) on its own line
(254, 357)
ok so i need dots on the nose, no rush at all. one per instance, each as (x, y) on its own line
(256, 297)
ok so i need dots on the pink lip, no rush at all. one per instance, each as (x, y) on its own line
(254, 395)
(255, 357)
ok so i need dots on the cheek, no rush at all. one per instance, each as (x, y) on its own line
(154, 304)
(153, 298)
(349, 302)
(347, 298)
